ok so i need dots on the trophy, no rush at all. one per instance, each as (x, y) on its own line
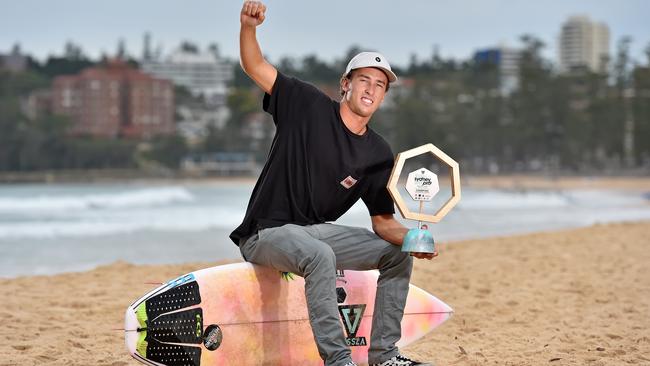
(422, 185)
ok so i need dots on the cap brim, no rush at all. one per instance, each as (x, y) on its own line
(391, 75)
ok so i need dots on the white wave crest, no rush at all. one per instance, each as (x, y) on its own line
(515, 200)
(189, 219)
(123, 199)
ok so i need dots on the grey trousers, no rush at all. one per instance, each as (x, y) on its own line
(315, 252)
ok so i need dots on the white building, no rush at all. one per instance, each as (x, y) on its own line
(202, 73)
(583, 43)
(194, 121)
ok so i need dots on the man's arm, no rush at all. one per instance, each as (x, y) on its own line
(388, 228)
(393, 232)
(251, 58)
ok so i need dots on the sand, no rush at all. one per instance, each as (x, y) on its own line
(576, 297)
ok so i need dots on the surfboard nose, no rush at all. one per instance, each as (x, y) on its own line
(130, 330)
(446, 308)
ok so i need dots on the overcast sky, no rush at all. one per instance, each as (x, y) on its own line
(325, 28)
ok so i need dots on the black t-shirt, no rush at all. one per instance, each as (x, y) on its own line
(316, 168)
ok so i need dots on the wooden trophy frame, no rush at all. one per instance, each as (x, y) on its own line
(397, 170)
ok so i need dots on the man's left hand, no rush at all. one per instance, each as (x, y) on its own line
(427, 256)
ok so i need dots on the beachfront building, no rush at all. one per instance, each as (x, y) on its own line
(507, 60)
(194, 121)
(205, 75)
(114, 101)
(583, 43)
(202, 73)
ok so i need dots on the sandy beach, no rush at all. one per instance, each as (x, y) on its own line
(575, 297)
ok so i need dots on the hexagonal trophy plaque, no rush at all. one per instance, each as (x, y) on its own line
(422, 185)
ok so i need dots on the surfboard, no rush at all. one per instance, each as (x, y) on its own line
(245, 314)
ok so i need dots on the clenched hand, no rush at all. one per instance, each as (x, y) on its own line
(252, 13)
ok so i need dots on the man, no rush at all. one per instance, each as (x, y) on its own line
(324, 157)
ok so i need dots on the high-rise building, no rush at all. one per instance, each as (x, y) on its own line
(583, 43)
(202, 73)
(115, 100)
(507, 60)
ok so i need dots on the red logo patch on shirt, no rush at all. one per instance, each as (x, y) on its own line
(348, 182)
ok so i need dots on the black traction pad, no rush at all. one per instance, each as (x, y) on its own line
(173, 355)
(173, 299)
(181, 327)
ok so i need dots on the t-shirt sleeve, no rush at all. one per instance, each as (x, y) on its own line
(290, 99)
(376, 197)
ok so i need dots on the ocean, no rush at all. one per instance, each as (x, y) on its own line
(54, 228)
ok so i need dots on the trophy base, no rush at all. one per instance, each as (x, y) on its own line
(418, 241)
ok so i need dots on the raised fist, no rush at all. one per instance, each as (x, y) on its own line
(252, 13)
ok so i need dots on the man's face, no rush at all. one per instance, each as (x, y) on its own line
(365, 91)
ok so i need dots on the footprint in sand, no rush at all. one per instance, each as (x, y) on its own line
(21, 347)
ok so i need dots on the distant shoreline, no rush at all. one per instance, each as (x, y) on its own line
(523, 181)
(506, 181)
(114, 176)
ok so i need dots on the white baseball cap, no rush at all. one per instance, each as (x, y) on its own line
(371, 59)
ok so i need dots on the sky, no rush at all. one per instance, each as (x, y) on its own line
(327, 29)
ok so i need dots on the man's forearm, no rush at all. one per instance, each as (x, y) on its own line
(392, 233)
(250, 53)
(394, 236)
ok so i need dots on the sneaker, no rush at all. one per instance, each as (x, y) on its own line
(400, 360)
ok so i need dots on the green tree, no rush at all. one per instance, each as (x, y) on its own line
(169, 150)
(241, 102)
(531, 133)
(10, 121)
(240, 79)
(189, 47)
(641, 81)
(22, 142)
(481, 129)
(20, 85)
(72, 62)
(622, 140)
